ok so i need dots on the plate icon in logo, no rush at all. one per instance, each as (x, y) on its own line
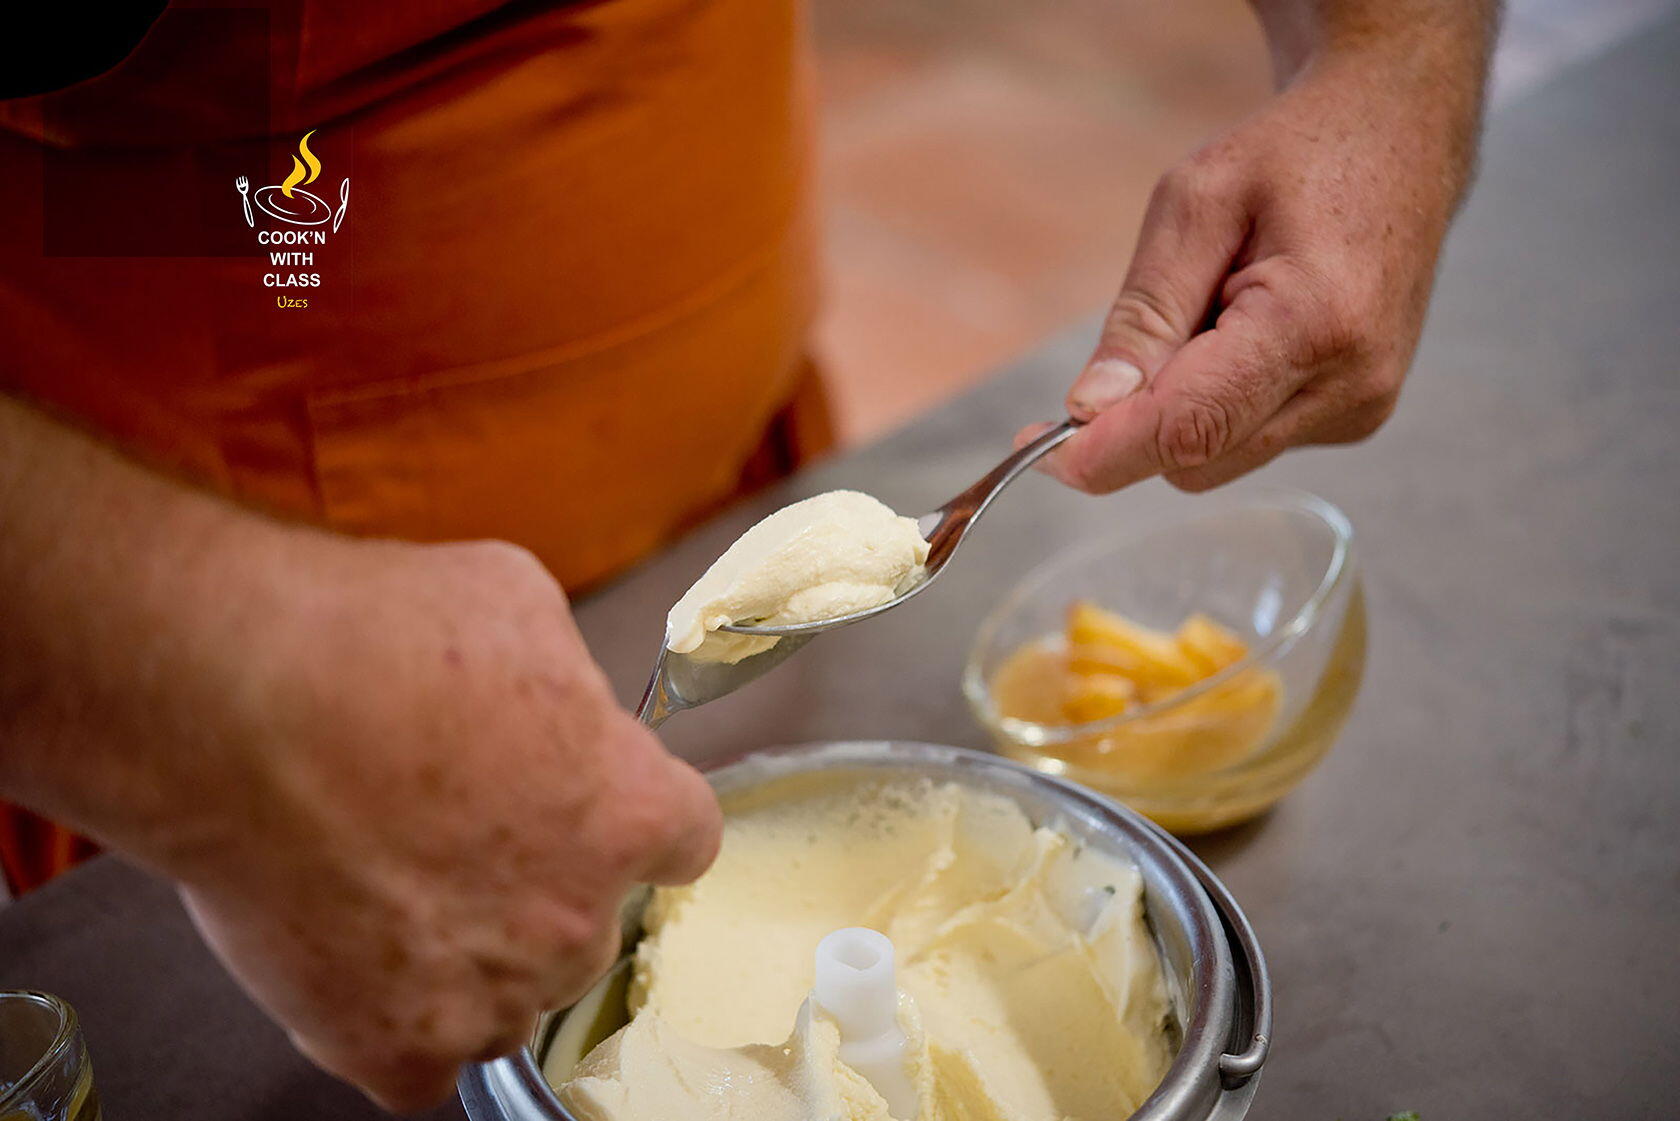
(304, 208)
(288, 201)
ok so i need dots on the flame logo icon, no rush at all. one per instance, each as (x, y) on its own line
(308, 160)
(288, 201)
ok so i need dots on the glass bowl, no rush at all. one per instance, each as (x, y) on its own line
(1275, 567)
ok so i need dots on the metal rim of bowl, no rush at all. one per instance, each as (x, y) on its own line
(1223, 1046)
(1033, 734)
(67, 1024)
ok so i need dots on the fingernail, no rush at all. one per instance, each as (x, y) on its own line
(1030, 433)
(1102, 384)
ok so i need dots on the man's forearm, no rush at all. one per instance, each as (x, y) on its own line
(1428, 57)
(122, 595)
(1461, 30)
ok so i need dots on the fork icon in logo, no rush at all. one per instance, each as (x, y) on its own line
(244, 186)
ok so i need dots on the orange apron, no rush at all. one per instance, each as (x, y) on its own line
(565, 303)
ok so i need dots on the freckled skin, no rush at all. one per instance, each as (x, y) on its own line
(453, 806)
(1282, 274)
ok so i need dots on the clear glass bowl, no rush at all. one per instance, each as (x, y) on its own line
(1274, 566)
(45, 1073)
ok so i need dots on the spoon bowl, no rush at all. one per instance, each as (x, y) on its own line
(943, 529)
(681, 681)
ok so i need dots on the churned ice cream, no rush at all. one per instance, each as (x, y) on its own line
(1030, 989)
(820, 558)
(650, 1071)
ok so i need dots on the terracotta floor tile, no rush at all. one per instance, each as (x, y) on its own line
(904, 329)
(984, 177)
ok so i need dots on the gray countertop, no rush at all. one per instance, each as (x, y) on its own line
(1471, 909)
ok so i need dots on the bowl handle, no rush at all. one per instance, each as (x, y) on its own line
(1254, 983)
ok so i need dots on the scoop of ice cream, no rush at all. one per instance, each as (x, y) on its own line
(649, 1072)
(1038, 989)
(820, 558)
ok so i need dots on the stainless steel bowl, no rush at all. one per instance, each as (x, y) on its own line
(1215, 972)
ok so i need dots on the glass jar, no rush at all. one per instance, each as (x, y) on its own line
(45, 1072)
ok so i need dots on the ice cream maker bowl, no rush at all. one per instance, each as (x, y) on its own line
(1214, 970)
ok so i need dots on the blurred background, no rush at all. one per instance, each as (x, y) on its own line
(1065, 114)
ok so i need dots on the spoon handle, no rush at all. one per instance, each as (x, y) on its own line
(950, 519)
(656, 708)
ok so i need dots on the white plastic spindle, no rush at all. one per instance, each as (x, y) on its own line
(856, 984)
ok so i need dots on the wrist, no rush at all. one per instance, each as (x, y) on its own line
(165, 758)
(1454, 38)
(1404, 114)
(267, 596)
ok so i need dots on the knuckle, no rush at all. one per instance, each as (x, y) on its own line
(1378, 392)
(1362, 427)
(696, 830)
(1173, 189)
(1362, 419)
(505, 556)
(1342, 326)
(577, 934)
(1340, 320)
(634, 839)
(1318, 316)
(1142, 310)
(493, 563)
(574, 960)
(606, 950)
(1198, 179)
(1385, 407)
(650, 827)
(578, 963)
(1372, 416)
(1369, 402)
(1192, 433)
(680, 829)
(533, 925)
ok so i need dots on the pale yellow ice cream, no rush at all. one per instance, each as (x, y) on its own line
(649, 1071)
(820, 558)
(1032, 988)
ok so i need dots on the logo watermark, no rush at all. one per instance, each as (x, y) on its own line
(290, 203)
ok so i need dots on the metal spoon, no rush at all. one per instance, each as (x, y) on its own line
(680, 682)
(943, 529)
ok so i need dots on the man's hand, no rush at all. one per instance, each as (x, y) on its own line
(1282, 274)
(397, 793)
(441, 808)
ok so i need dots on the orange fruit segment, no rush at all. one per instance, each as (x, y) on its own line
(1209, 645)
(1104, 665)
(1089, 697)
(1148, 656)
